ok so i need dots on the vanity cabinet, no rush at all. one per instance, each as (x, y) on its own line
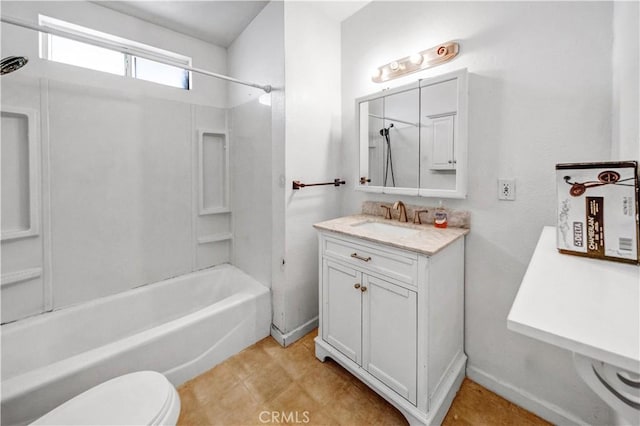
(394, 318)
(372, 321)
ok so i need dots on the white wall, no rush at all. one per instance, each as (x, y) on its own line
(258, 55)
(118, 203)
(626, 81)
(539, 94)
(312, 154)
(257, 130)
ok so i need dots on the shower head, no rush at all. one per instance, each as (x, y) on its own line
(12, 63)
(385, 130)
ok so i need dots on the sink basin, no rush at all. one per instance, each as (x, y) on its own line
(387, 229)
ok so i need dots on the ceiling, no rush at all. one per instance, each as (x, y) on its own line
(339, 10)
(217, 22)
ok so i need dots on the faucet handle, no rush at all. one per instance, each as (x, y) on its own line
(387, 212)
(416, 215)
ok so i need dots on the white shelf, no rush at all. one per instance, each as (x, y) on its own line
(587, 306)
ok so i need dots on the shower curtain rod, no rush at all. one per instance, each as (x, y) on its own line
(127, 50)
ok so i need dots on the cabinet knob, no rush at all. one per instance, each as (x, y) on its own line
(356, 286)
(363, 289)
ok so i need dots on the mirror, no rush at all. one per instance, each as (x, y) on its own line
(413, 139)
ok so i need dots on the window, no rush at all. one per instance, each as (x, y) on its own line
(145, 69)
(136, 63)
(85, 55)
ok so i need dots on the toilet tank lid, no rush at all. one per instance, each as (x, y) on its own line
(140, 398)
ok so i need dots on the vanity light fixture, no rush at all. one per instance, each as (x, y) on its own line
(416, 58)
(416, 62)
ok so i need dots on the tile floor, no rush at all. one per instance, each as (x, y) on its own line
(256, 385)
(475, 405)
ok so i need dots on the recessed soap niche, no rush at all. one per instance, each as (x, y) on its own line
(20, 173)
(213, 168)
(213, 229)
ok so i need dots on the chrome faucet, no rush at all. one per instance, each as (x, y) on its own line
(399, 205)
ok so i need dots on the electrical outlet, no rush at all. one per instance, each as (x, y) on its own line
(506, 189)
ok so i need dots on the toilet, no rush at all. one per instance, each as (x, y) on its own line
(141, 398)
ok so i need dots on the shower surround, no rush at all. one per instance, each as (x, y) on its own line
(122, 184)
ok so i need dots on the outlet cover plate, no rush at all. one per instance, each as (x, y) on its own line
(507, 189)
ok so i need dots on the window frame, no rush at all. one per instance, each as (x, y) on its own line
(128, 48)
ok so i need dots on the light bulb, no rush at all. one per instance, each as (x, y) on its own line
(416, 58)
(394, 65)
(376, 73)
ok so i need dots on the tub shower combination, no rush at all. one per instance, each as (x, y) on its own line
(180, 327)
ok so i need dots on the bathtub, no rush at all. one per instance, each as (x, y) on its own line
(180, 327)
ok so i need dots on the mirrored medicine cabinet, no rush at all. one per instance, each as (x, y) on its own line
(413, 139)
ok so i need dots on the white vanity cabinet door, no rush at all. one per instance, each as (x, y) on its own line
(390, 335)
(342, 309)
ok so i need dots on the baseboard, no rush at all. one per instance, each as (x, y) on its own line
(288, 338)
(524, 399)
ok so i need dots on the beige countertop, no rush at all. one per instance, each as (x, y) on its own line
(429, 240)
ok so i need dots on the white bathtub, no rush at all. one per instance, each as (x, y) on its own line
(180, 327)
